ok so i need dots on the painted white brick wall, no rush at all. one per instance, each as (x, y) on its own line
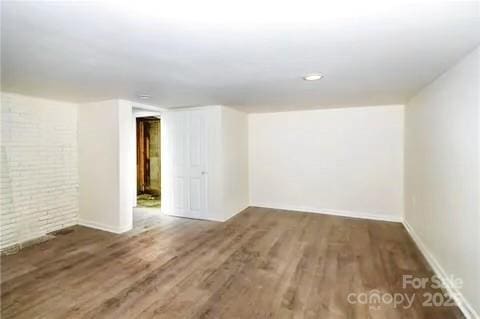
(39, 167)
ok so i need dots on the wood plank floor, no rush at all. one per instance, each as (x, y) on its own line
(263, 263)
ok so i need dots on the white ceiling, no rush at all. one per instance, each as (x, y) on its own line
(244, 54)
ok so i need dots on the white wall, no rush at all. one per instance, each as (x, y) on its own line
(215, 208)
(346, 161)
(442, 173)
(234, 151)
(105, 165)
(127, 162)
(39, 171)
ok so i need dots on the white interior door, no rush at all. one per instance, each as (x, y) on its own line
(197, 162)
(177, 151)
(187, 135)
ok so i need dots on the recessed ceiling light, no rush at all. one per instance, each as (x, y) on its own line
(313, 77)
(144, 96)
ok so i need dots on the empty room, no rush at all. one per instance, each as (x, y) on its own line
(238, 160)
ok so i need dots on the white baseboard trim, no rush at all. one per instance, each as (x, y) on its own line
(334, 212)
(456, 294)
(100, 226)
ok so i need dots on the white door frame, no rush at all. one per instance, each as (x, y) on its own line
(145, 111)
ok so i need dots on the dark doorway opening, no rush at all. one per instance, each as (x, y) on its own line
(148, 162)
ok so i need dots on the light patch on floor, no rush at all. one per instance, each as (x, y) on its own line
(147, 200)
